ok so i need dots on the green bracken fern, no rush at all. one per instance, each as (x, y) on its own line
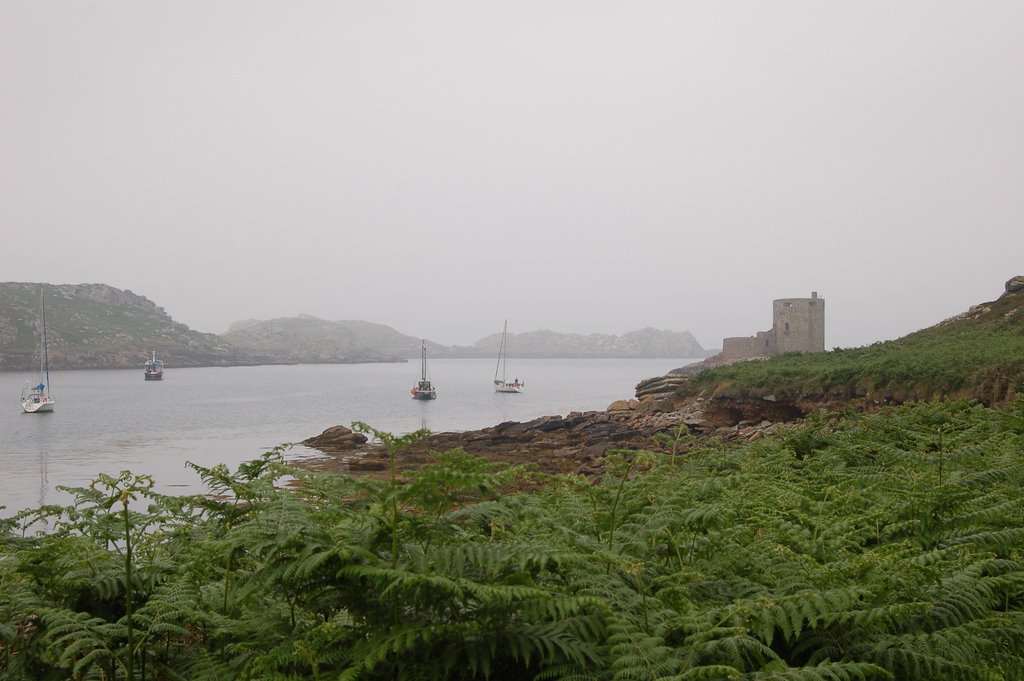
(853, 546)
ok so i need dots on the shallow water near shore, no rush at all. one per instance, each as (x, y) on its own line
(109, 421)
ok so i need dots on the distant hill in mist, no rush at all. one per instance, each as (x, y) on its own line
(310, 340)
(99, 326)
(307, 339)
(642, 344)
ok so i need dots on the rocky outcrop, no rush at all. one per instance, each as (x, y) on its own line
(1010, 303)
(711, 362)
(108, 295)
(659, 385)
(336, 437)
(575, 443)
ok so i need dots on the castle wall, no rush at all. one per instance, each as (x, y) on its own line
(746, 347)
(740, 347)
(799, 324)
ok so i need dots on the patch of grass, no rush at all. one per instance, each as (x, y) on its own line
(979, 356)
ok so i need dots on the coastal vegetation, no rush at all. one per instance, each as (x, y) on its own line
(977, 355)
(857, 543)
(851, 546)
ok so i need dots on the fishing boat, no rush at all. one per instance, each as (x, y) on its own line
(154, 369)
(502, 385)
(35, 399)
(424, 389)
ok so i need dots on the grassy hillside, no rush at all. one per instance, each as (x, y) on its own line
(94, 325)
(977, 355)
(76, 321)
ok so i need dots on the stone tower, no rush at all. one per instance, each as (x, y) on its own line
(798, 324)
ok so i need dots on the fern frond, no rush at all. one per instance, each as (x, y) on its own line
(827, 671)
(790, 615)
(889, 617)
(712, 672)
(951, 653)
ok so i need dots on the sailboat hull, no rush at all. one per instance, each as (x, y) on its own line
(43, 405)
(501, 387)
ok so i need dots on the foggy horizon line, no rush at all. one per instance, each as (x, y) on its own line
(390, 326)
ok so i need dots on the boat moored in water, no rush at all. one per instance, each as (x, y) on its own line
(503, 385)
(154, 369)
(424, 389)
(35, 399)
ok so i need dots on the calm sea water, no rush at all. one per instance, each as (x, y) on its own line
(110, 421)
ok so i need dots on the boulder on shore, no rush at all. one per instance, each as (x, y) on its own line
(335, 437)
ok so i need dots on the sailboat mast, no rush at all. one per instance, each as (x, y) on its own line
(423, 360)
(46, 352)
(501, 356)
(504, 352)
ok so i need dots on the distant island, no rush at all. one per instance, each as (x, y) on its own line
(96, 326)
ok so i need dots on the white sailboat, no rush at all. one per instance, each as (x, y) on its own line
(502, 385)
(35, 399)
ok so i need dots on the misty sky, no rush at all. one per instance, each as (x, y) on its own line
(581, 166)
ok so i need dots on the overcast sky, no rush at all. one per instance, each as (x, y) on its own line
(581, 166)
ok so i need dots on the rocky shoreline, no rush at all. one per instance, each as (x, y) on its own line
(574, 443)
(657, 419)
